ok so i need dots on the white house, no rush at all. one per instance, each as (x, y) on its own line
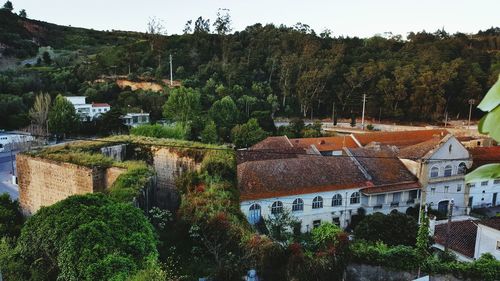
(88, 112)
(484, 192)
(10, 140)
(318, 188)
(440, 165)
(135, 119)
(468, 239)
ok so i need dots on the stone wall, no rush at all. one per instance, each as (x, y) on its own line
(363, 272)
(170, 164)
(44, 182)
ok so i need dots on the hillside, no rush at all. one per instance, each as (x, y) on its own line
(264, 69)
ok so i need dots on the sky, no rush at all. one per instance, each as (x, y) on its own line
(362, 18)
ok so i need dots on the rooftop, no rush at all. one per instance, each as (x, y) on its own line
(399, 138)
(100, 105)
(325, 143)
(493, 223)
(462, 238)
(280, 142)
(485, 155)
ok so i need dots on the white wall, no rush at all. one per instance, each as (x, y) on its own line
(483, 195)
(308, 215)
(486, 241)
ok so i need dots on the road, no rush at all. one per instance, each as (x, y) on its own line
(6, 175)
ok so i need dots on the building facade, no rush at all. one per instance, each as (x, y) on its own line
(135, 119)
(88, 112)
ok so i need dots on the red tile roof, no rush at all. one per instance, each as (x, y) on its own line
(325, 143)
(462, 236)
(493, 223)
(304, 174)
(410, 185)
(100, 105)
(280, 142)
(484, 155)
(399, 138)
(419, 150)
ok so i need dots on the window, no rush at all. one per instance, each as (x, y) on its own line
(433, 190)
(459, 187)
(316, 223)
(337, 200)
(449, 148)
(355, 198)
(446, 188)
(317, 202)
(484, 183)
(380, 199)
(434, 172)
(254, 214)
(462, 168)
(277, 207)
(447, 171)
(396, 197)
(496, 181)
(472, 185)
(336, 221)
(498, 245)
(297, 205)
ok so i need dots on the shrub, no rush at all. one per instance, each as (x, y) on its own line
(128, 184)
(11, 218)
(175, 131)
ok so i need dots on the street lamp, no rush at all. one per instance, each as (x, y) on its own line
(471, 103)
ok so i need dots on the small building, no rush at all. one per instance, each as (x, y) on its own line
(135, 119)
(484, 192)
(88, 112)
(13, 140)
(440, 165)
(468, 239)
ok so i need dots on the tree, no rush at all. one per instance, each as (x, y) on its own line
(183, 105)
(296, 127)
(62, 118)
(223, 22)
(393, 229)
(85, 237)
(279, 226)
(8, 6)
(201, 25)
(224, 113)
(155, 32)
(39, 113)
(326, 235)
(11, 217)
(46, 58)
(247, 134)
(22, 13)
(209, 133)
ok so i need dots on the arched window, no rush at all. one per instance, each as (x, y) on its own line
(462, 168)
(447, 171)
(298, 205)
(254, 214)
(318, 202)
(277, 207)
(337, 200)
(434, 172)
(355, 198)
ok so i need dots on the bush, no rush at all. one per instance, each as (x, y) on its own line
(128, 184)
(175, 131)
(393, 229)
(11, 218)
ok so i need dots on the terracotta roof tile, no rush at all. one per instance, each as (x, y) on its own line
(305, 174)
(485, 155)
(100, 105)
(325, 143)
(280, 142)
(419, 150)
(399, 138)
(462, 236)
(493, 223)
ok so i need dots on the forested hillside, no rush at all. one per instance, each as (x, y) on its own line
(284, 71)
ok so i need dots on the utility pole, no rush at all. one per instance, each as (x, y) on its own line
(446, 119)
(171, 73)
(333, 114)
(363, 114)
(448, 226)
(471, 103)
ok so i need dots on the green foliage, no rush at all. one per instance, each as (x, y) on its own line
(279, 226)
(247, 134)
(174, 131)
(8, 6)
(220, 165)
(183, 105)
(209, 133)
(62, 116)
(129, 183)
(11, 217)
(85, 237)
(392, 229)
(399, 257)
(224, 113)
(326, 234)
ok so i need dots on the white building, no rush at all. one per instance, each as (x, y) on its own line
(440, 165)
(135, 119)
(88, 112)
(468, 239)
(320, 189)
(484, 192)
(11, 140)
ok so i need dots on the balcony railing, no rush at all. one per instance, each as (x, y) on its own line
(378, 206)
(410, 201)
(447, 178)
(394, 204)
